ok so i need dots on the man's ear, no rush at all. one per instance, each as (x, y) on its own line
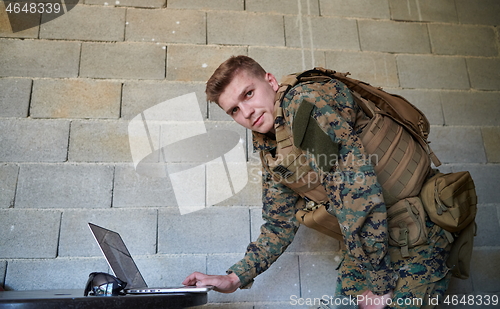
(271, 79)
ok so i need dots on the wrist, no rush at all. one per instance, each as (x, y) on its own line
(235, 280)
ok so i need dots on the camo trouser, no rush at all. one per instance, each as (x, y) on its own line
(423, 277)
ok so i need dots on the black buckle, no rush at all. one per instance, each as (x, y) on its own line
(282, 171)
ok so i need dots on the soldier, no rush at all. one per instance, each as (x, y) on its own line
(246, 92)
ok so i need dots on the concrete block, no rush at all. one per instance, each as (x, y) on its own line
(75, 98)
(482, 12)
(64, 186)
(21, 140)
(485, 271)
(60, 273)
(428, 101)
(170, 26)
(457, 144)
(485, 178)
(378, 69)
(29, 58)
(108, 24)
(243, 28)
(15, 97)
(318, 275)
(284, 61)
(15, 22)
(77, 239)
(250, 195)
(491, 136)
(139, 96)
(289, 7)
(135, 190)
(123, 60)
(434, 72)
(487, 225)
(160, 270)
(484, 73)
(29, 233)
(134, 3)
(217, 113)
(99, 141)
(197, 62)
(450, 39)
(394, 37)
(229, 5)
(316, 33)
(276, 284)
(204, 231)
(471, 108)
(424, 10)
(355, 8)
(8, 184)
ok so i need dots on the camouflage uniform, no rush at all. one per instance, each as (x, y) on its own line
(356, 200)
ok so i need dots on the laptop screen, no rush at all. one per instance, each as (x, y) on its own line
(118, 256)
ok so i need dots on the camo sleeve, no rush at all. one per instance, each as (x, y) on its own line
(352, 185)
(278, 231)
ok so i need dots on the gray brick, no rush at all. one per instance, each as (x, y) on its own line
(171, 26)
(135, 3)
(230, 5)
(208, 233)
(284, 61)
(435, 72)
(132, 189)
(276, 284)
(483, 12)
(283, 7)
(77, 240)
(60, 273)
(491, 136)
(169, 270)
(375, 68)
(21, 140)
(250, 194)
(484, 73)
(14, 97)
(139, 96)
(485, 271)
(242, 28)
(108, 24)
(355, 8)
(16, 22)
(396, 37)
(316, 32)
(8, 184)
(457, 144)
(487, 225)
(123, 60)
(99, 141)
(318, 275)
(449, 39)
(424, 10)
(28, 58)
(196, 62)
(64, 186)
(428, 101)
(471, 108)
(29, 233)
(75, 98)
(485, 176)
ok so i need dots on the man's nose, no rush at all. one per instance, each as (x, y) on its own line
(246, 110)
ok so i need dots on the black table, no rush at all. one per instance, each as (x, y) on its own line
(74, 299)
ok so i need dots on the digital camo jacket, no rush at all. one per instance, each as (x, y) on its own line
(354, 193)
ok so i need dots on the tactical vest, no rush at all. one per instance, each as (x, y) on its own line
(395, 131)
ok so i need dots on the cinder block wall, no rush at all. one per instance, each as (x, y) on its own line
(69, 87)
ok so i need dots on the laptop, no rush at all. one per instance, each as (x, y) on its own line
(124, 267)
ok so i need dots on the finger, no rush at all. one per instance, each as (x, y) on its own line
(193, 278)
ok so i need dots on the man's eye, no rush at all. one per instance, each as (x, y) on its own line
(234, 110)
(249, 93)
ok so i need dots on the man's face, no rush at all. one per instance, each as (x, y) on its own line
(249, 100)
